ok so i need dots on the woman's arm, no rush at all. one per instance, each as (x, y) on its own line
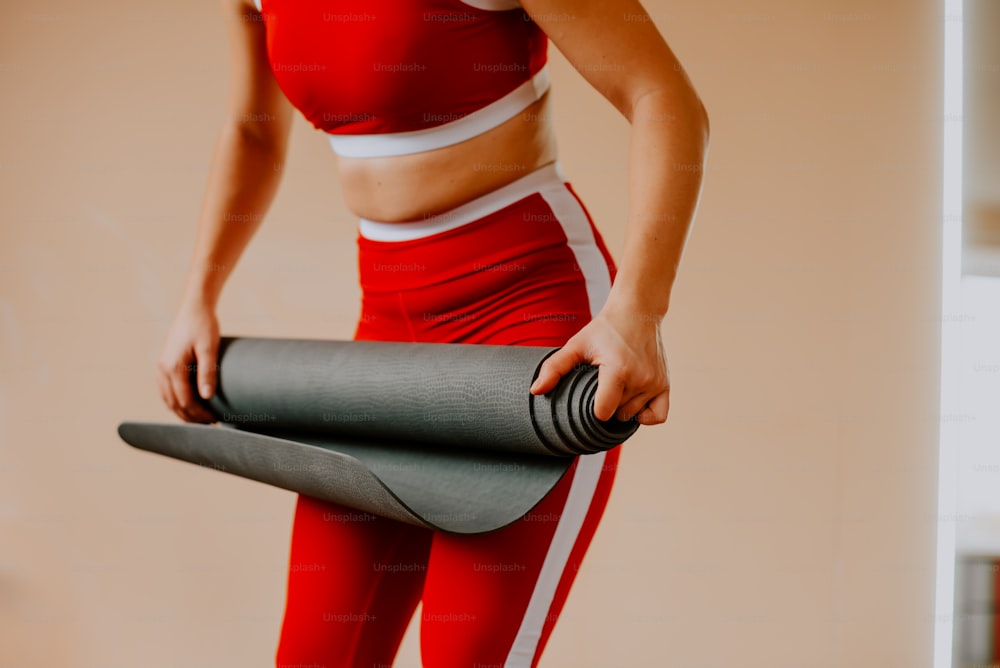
(243, 179)
(617, 48)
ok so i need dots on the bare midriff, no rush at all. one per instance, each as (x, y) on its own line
(413, 187)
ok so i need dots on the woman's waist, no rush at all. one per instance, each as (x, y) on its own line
(405, 188)
(509, 234)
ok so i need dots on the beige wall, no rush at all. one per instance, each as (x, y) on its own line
(785, 515)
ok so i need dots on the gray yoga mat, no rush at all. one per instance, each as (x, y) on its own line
(445, 436)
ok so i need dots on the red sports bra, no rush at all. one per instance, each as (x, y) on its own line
(391, 77)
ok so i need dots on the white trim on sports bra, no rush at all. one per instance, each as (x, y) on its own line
(439, 136)
(488, 5)
(493, 5)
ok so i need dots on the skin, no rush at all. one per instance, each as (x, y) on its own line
(619, 51)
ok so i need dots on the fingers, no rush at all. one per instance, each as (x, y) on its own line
(610, 384)
(555, 367)
(610, 392)
(207, 353)
(175, 389)
(180, 385)
(656, 410)
(632, 406)
(629, 386)
(164, 370)
(166, 392)
(196, 410)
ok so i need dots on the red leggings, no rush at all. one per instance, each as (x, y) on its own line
(523, 265)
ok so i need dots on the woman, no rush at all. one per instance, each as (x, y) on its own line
(439, 113)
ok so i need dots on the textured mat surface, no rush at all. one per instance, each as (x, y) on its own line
(439, 435)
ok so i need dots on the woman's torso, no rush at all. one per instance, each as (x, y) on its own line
(412, 187)
(389, 70)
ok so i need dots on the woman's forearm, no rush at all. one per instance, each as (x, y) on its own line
(668, 147)
(243, 179)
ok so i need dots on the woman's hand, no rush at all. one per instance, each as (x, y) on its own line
(193, 340)
(632, 377)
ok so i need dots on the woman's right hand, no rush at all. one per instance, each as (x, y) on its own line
(193, 340)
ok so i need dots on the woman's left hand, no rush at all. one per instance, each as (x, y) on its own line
(632, 378)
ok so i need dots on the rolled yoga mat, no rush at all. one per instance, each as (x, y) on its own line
(445, 436)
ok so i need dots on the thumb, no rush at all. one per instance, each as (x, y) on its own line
(556, 366)
(207, 357)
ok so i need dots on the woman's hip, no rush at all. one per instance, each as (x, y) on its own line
(522, 265)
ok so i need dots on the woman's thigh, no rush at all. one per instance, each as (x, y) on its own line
(354, 580)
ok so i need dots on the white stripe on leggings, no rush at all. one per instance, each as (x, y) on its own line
(570, 214)
(567, 210)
